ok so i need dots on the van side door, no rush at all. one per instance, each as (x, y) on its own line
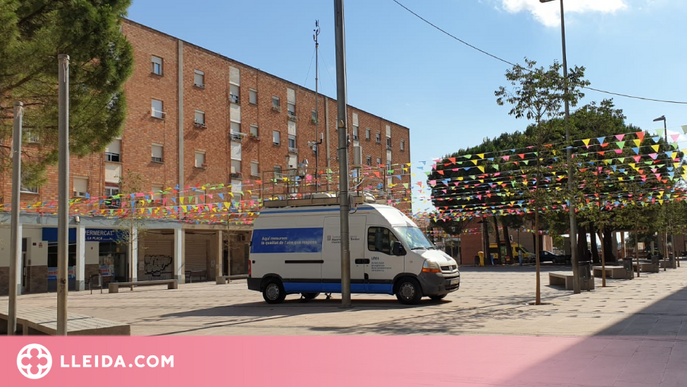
(383, 264)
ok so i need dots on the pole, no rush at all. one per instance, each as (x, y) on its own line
(63, 194)
(665, 135)
(15, 243)
(571, 205)
(341, 102)
(317, 111)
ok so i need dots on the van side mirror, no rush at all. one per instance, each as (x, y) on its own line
(397, 248)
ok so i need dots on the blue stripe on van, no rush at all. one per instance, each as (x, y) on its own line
(324, 287)
(287, 240)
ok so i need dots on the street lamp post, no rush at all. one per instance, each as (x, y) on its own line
(571, 206)
(665, 136)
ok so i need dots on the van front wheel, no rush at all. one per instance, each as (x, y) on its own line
(408, 291)
(273, 293)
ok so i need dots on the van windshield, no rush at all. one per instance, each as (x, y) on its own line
(413, 237)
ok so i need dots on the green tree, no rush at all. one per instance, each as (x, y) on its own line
(538, 94)
(32, 34)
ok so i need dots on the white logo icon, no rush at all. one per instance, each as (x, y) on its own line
(34, 361)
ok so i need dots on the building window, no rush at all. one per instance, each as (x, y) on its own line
(291, 102)
(234, 94)
(379, 162)
(292, 142)
(198, 78)
(403, 145)
(157, 65)
(235, 131)
(113, 152)
(379, 239)
(200, 160)
(369, 160)
(253, 97)
(275, 137)
(355, 133)
(156, 153)
(388, 143)
(236, 169)
(156, 109)
(25, 188)
(277, 171)
(378, 139)
(199, 119)
(80, 187)
(111, 190)
(313, 117)
(32, 136)
(276, 103)
(254, 131)
(254, 168)
(158, 191)
(367, 134)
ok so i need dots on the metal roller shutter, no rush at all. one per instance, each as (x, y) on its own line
(196, 254)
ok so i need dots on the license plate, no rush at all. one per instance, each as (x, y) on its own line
(454, 281)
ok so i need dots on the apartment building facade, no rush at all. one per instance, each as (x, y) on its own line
(196, 119)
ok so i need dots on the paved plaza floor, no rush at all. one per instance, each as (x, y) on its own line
(630, 333)
(491, 301)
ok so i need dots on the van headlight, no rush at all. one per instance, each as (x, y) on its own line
(431, 267)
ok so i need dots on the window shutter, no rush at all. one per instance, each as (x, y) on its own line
(114, 147)
(235, 150)
(234, 76)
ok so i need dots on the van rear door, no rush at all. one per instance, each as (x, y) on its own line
(331, 270)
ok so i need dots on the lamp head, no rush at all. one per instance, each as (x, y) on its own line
(661, 118)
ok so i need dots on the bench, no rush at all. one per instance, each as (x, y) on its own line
(200, 274)
(113, 287)
(565, 279)
(35, 320)
(615, 272)
(645, 267)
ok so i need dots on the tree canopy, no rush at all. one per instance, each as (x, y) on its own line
(32, 34)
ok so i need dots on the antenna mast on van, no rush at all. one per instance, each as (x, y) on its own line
(316, 143)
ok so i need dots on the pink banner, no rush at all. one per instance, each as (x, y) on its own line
(327, 361)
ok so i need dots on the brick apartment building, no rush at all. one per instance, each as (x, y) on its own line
(197, 118)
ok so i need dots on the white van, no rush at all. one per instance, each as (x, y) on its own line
(298, 250)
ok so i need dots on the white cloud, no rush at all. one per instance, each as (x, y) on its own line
(549, 13)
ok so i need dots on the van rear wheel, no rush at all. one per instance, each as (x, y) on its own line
(408, 291)
(273, 293)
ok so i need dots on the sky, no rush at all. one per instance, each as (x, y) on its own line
(405, 70)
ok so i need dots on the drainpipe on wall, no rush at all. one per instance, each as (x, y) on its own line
(180, 110)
